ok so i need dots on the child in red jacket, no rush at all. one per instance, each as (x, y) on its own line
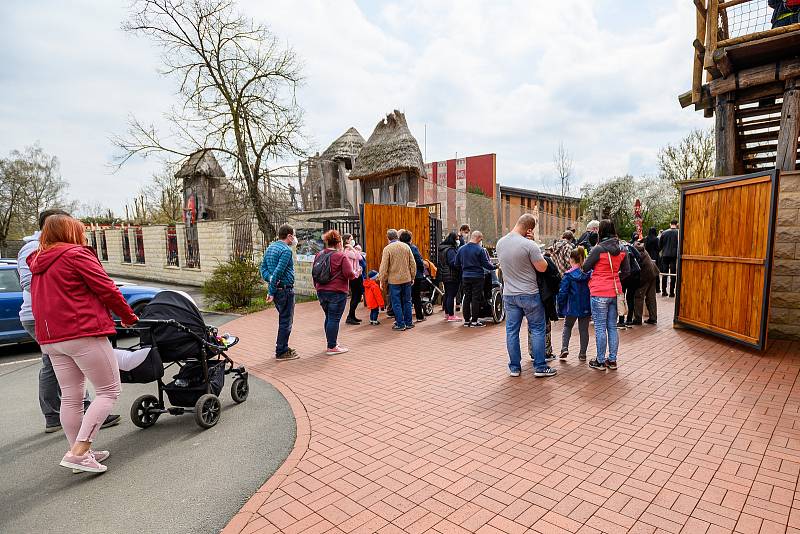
(373, 297)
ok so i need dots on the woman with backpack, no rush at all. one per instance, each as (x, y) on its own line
(332, 272)
(449, 275)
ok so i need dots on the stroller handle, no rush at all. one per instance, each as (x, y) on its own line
(149, 323)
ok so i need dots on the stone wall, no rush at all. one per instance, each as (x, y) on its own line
(216, 246)
(214, 243)
(785, 295)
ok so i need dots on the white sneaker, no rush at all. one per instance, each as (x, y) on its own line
(336, 350)
(513, 373)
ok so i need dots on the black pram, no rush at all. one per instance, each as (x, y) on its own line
(173, 327)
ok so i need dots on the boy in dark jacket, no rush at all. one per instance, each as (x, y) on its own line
(574, 304)
(648, 280)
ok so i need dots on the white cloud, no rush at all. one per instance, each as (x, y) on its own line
(513, 78)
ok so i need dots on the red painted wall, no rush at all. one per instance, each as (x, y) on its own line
(481, 172)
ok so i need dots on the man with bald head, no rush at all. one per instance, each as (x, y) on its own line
(474, 263)
(520, 258)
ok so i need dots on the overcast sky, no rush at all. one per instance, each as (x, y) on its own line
(509, 77)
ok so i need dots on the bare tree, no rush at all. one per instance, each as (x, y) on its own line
(691, 159)
(562, 161)
(29, 183)
(238, 88)
(163, 197)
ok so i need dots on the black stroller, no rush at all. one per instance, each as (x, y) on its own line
(174, 329)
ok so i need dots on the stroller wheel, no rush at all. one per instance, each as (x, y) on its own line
(207, 410)
(240, 389)
(427, 308)
(144, 411)
(498, 310)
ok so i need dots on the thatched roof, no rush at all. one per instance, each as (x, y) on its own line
(391, 149)
(202, 163)
(347, 146)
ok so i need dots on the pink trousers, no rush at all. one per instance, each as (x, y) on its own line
(74, 361)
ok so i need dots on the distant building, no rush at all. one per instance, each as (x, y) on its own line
(554, 211)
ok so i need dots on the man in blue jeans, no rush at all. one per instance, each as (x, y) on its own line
(277, 268)
(520, 258)
(398, 270)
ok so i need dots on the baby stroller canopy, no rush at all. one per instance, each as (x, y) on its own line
(173, 343)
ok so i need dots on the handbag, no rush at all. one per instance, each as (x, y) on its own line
(622, 304)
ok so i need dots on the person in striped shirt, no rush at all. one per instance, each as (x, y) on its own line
(277, 268)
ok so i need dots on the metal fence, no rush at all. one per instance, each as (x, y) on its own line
(103, 246)
(345, 225)
(435, 228)
(126, 246)
(139, 243)
(242, 239)
(192, 258)
(171, 234)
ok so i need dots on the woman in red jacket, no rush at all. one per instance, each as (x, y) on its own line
(71, 297)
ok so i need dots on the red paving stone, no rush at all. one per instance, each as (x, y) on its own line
(423, 431)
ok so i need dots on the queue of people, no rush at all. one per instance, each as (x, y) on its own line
(595, 278)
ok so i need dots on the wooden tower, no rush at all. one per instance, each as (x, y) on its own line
(749, 55)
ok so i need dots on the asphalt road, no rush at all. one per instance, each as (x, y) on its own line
(172, 477)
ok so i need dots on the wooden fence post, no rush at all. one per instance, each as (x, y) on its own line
(725, 132)
(786, 159)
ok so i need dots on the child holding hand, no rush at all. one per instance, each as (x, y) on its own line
(574, 304)
(373, 297)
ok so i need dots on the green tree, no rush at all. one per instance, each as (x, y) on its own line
(692, 158)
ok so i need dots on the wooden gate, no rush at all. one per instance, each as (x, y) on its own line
(725, 257)
(378, 218)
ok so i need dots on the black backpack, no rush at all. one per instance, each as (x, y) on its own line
(321, 270)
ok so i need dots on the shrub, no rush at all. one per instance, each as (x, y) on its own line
(233, 284)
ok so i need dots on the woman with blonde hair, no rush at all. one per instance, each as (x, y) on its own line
(72, 299)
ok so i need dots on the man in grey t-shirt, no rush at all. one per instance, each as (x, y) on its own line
(520, 259)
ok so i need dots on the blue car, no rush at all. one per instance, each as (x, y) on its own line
(11, 330)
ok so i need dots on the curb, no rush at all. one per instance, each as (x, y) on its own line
(239, 522)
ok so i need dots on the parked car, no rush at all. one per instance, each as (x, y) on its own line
(11, 330)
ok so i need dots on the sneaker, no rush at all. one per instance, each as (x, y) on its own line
(87, 463)
(111, 420)
(100, 456)
(611, 364)
(374, 323)
(621, 326)
(453, 319)
(398, 327)
(336, 350)
(409, 326)
(636, 322)
(513, 373)
(420, 319)
(49, 429)
(549, 357)
(564, 354)
(478, 324)
(352, 321)
(467, 324)
(651, 321)
(288, 355)
(600, 366)
(582, 357)
(545, 372)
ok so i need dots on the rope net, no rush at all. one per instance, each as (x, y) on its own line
(746, 18)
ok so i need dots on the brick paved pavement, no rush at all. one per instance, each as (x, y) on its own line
(423, 431)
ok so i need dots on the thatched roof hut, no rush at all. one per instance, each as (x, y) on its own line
(201, 163)
(390, 150)
(346, 147)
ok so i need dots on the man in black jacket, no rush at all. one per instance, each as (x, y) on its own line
(668, 247)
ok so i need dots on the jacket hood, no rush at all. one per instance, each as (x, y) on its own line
(40, 261)
(34, 237)
(611, 245)
(578, 274)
